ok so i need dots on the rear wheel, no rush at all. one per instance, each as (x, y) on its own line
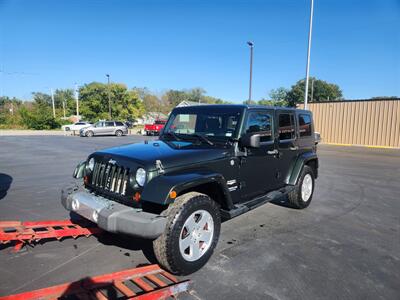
(89, 133)
(301, 196)
(118, 133)
(191, 234)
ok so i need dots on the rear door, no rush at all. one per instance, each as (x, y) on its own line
(287, 143)
(258, 168)
(110, 127)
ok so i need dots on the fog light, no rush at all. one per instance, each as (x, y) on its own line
(75, 204)
(95, 216)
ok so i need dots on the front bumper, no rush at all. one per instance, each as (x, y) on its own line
(112, 216)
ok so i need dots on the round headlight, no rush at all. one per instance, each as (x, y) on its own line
(141, 176)
(91, 164)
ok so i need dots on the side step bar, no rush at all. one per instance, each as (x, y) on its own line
(254, 203)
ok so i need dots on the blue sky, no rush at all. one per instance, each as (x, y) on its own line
(185, 44)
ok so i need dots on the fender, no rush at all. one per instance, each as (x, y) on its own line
(159, 188)
(297, 166)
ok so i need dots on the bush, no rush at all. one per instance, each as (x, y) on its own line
(39, 118)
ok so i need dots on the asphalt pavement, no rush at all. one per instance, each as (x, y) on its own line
(346, 245)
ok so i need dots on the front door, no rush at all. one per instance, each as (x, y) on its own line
(258, 169)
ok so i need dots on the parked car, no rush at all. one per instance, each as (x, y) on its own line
(155, 128)
(76, 127)
(105, 128)
(211, 162)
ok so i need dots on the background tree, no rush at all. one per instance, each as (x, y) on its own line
(278, 97)
(65, 96)
(41, 98)
(323, 91)
(125, 105)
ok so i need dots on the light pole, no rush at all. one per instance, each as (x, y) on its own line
(251, 45)
(52, 101)
(308, 54)
(109, 98)
(77, 100)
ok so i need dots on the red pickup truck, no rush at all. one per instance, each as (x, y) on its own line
(154, 129)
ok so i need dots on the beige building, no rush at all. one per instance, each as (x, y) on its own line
(359, 122)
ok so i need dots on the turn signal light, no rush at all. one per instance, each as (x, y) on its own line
(136, 197)
(172, 194)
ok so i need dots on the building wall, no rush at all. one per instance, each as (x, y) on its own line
(364, 122)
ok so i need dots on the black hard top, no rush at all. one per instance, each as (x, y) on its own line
(239, 107)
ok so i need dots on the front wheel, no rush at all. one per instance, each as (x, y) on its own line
(118, 133)
(89, 133)
(301, 196)
(191, 234)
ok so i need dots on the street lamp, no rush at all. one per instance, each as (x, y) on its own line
(251, 45)
(109, 98)
(308, 54)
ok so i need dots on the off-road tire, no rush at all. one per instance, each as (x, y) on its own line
(118, 133)
(294, 197)
(89, 133)
(166, 246)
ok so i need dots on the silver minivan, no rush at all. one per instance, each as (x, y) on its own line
(105, 128)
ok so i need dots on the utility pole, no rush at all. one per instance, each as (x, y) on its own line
(52, 101)
(64, 108)
(77, 100)
(109, 96)
(251, 45)
(308, 54)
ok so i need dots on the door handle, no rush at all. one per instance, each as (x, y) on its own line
(294, 148)
(273, 152)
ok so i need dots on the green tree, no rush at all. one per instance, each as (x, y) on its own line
(42, 98)
(67, 97)
(322, 91)
(94, 99)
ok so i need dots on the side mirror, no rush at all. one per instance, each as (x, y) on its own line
(251, 140)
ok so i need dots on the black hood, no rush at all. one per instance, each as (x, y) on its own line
(171, 154)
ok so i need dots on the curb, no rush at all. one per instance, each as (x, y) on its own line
(365, 146)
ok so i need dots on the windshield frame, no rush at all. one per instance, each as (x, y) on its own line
(204, 109)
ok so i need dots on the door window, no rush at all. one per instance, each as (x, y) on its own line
(109, 124)
(304, 125)
(260, 122)
(286, 127)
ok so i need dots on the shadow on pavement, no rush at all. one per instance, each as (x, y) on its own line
(123, 241)
(5, 183)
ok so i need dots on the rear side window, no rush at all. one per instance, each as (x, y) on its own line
(305, 125)
(286, 127)
(109, 124)
(119, 124)
(260, 122)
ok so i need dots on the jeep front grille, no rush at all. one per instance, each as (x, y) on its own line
(110, 177)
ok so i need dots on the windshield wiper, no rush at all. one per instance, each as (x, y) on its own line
(170, 133)
(203, 138)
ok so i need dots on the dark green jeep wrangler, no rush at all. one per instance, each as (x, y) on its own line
(211, 163)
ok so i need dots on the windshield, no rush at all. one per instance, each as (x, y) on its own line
(218, 124)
